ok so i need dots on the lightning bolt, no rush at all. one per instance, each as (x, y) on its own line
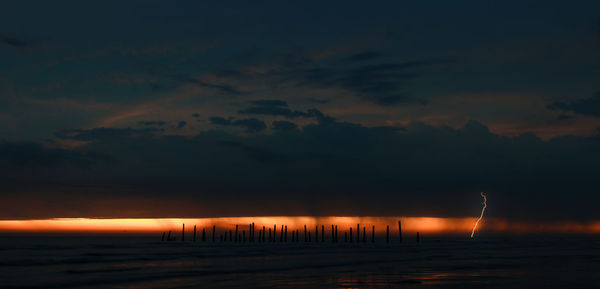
(482, 211)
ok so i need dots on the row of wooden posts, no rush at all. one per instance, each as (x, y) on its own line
(228, 236)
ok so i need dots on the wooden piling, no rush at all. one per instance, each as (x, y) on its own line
(350, 235)
(297, 236)
(357, 233)
(373, 235)
(213, 235)
(400, 230)
(285, 240)
(264, 232)
(194, 233)
(163, 237)
(169, 236)
(322, 233)
(203, 234)
(364, 234)
(332, 235)
(336, 234)
(270, 237)
(236, 233)
(345, 237)
(281, 235)
(387, 234)
(418, 239)
(182, 232)
(274, 232)
(252, 234)
(305, 233)
(316, 233)
(309, 236)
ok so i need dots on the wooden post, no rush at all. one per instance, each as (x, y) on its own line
(163, 237)
(322, 233)
(418, 239)
(387, 234)
(270, 237)
(336, 234)
(345, 237)
(305, 239)
(373, 235)
(250, 232)
(332, 235)
(169, 236)
(400, 230)
(350, 235)
(316, 233)
(236, 233)
(309, 236)
(357, 233)
(213, 233)
(297, 236)
(203, 234)
(281, 235)
(194, 233)
(285, 234)
(264, 232)
(182, 232)
(274, 232)
(364, 234)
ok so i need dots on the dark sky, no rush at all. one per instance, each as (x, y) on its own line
(189, 109)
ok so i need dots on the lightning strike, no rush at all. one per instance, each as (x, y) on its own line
(482, 211)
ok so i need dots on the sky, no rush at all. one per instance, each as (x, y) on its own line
(188, 109)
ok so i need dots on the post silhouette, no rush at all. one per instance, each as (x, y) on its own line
(336, 234)
(163, 237)
(297, 236)
(281, 235)
(169, 236)
(357, 233)
(364, 234)
(373, 235)
(236, 233)
(194, 233)
(350, 235)
(400, 231)
(316, 233)
(305, 239)
(213, 235)
(270, 237)
(322, 233)
(332, 235)
(418, 239)
(182, 232)
(203, 234)
(285, 234)
(387, 234)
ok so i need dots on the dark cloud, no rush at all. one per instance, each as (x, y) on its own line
(279, 108)
(15, 42)
(29, 156)
(421, 169)
(588, 106)
(367, 55)
(284, 126)
(104, 133)
(251, 124)
(152, 122)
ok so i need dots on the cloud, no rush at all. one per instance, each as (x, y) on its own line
(251, 124)
(284, 126)
(279, 108)
(588, 106)
(367, 55)
(15, 42)
(152, 122)
(415, 170)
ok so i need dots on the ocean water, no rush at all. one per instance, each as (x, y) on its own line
(145, 262)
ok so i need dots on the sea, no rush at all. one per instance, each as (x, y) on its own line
(441, 262)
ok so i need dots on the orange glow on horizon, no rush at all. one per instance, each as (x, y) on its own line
(427, 225)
